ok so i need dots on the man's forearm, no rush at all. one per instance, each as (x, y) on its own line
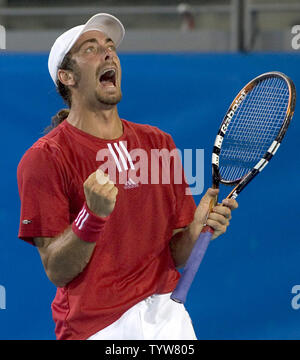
(217, 218)
(64, 257)
(182, 243)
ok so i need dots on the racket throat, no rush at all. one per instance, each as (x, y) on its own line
(233, 194)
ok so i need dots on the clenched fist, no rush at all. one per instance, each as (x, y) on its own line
(100, 193)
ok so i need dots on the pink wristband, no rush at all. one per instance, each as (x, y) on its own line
(88, 226)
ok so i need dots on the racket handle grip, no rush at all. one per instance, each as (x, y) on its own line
(180, 293)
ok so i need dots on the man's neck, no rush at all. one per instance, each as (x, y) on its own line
(104, 123)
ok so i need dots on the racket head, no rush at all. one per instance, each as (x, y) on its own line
(252, 130)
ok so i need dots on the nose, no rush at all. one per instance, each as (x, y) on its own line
(107, 55)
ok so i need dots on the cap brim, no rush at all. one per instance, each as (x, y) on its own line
(108, 24)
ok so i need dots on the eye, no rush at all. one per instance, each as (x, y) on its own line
(112, 48)
(90, 49)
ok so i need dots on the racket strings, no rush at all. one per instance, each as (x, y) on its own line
(253, 127)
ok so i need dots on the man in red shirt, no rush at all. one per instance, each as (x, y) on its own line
(110, 247)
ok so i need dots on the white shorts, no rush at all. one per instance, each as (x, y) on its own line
(155, 318)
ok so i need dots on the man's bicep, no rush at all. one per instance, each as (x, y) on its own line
(42, 242)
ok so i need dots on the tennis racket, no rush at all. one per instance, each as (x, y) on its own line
(249, 136)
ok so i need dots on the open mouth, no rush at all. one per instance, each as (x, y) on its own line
(108, 77)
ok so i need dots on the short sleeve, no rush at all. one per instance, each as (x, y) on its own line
(185, 204)
(42, 190)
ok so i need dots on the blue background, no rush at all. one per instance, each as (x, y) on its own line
(243, 288)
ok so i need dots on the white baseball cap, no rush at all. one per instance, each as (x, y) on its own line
(106, 23)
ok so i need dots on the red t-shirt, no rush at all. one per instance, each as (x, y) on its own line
(132, 259)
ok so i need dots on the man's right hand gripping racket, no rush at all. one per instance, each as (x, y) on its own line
(248, 138)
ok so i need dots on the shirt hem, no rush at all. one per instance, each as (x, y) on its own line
(95, 329)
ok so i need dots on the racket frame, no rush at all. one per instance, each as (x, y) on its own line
(245, 180)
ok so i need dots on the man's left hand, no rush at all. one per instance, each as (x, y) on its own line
(219, 217)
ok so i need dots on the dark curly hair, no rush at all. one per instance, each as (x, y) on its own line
(64, 91)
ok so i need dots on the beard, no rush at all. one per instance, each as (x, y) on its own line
(109, 99)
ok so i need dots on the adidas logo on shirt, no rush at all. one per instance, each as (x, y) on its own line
(130, 184)
(121, 156)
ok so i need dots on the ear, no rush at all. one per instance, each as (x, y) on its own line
(66, 77)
